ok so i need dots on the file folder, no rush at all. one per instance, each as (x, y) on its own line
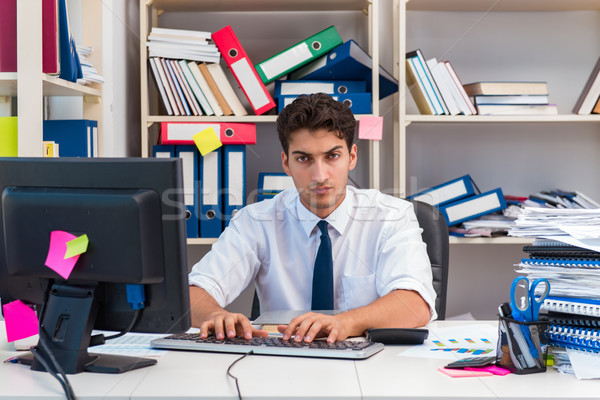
(348, 62)
(234, 183)
(76, 137)
(446, 192)
(244, 72)
(8, 137)
(359, 103)
(211, 210)
(70, 68)
(271, 183)
(473, 207)
(189, 160)
(286, 88)
(298, 55)
(163, 151)
(229, 132)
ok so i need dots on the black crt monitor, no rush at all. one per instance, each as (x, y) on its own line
(132, 211)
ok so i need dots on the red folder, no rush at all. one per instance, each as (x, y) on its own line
(229, 132)
(239, 63)
(8, 36)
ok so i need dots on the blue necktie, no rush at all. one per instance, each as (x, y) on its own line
(322, 290)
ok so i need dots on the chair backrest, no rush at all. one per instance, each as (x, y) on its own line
(435, 236)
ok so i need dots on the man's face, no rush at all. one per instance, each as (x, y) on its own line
(319, 162)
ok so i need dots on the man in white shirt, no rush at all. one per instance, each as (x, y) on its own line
(380, 269)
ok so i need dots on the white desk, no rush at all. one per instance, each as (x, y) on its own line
(203, 375)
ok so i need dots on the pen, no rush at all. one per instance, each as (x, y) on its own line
(12, 360)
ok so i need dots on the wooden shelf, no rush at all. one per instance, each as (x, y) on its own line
(246, 118)
(258, 5)
(496, 240)
(470, 119)
(52, 86)
(504, 5)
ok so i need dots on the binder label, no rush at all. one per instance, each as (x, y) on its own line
(473, 207)
(236, 180)
(297, 88)
(210, 179)
(451, 191)
(286, 60)
(187, 159)
(243, 70)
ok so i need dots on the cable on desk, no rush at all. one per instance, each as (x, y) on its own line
(237, 386)
(64, 381)
(136, 317)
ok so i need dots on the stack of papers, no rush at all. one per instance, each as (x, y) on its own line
(580, 224)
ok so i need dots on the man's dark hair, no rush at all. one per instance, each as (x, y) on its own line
(315, 112)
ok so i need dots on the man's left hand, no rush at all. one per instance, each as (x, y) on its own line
(311, 325)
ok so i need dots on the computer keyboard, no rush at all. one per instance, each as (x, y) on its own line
(270, 346)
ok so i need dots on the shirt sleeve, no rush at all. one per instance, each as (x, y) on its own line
(232, 263)
(403, 261)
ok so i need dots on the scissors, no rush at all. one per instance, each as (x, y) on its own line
(529, 310)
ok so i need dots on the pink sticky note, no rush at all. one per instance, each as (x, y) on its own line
(56, 253)
(461, 373)
(370, 128)
(490, 368)
(21, 321)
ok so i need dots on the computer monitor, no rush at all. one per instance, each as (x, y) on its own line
(133, 213)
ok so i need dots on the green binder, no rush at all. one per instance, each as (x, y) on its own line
(298, 55)
(8, 137)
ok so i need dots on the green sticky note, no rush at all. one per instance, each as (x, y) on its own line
(77, 246)
(207, 140)
(8, 137)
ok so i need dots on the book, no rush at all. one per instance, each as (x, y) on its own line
(517, 109)
(444, 83)
(222, 82)
(465, 104)
(416, 86)
(511, 99)
(214, 88)
(429, 83)
(210, 97)
(590, 93)
(181, 33)
(162, 89)
(505, 88)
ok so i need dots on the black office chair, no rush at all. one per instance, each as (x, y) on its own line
(435, 236)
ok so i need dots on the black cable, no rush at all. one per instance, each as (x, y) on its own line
(136, 316)
(237, 386)
(70, 395)
(57, 367)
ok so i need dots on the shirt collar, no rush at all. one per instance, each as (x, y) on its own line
(338, 219)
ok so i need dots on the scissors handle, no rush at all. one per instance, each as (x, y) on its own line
(515, 302)
(535, 302)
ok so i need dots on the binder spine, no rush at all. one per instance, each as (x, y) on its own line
(575, 338)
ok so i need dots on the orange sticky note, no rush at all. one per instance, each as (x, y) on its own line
(370, 127)
(207, 140)
(21, 321)
(56, 254)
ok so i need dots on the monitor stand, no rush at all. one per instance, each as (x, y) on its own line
(67, 321)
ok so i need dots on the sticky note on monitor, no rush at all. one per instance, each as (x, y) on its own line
(207, 140)
(56, 254)
(21, 321)
(76, 246)
(370, 127)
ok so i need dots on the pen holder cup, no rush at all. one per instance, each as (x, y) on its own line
(522, 346)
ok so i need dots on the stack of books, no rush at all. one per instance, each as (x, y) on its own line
(459, 200)
(589, 100)
(511, 98)
(435, 86)
(90, 74)
(190, 80)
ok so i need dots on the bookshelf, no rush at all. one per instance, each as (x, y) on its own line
(213, 15)
(467, 33)
(30, 85)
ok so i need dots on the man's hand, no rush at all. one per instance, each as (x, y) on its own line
(226, 324)
(309, 326)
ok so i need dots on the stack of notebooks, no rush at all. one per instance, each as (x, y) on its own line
(511, 98)
(459, 200)
(214, 184)
(190, 80)
(573, 304)
(435, 86)
(89, 72)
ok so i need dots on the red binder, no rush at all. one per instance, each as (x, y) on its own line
(8, 36)
(239, 63)
(229, 133)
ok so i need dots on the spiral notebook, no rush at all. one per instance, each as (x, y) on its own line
(558, 318)
(554, 262)
(569, 305)
(575, 337)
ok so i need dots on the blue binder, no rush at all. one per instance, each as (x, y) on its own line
(189, 159)
(75, 137)
(473, 207)
(234, 181)
(70, 68)
(271, 183)
(211, 204)
(163, 151)
(347, 62)
(446, 192)
(287, 88)
(360, 103)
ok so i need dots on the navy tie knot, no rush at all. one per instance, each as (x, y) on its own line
(323, 227)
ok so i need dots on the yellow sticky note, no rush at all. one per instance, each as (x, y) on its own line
(77, 246)
(207, 140)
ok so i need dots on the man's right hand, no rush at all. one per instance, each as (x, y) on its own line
(226, 324)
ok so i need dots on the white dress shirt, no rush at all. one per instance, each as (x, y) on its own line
(376, 246)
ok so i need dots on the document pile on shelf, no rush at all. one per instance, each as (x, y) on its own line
(90, 73)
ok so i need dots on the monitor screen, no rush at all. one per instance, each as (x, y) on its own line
(133, 214)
